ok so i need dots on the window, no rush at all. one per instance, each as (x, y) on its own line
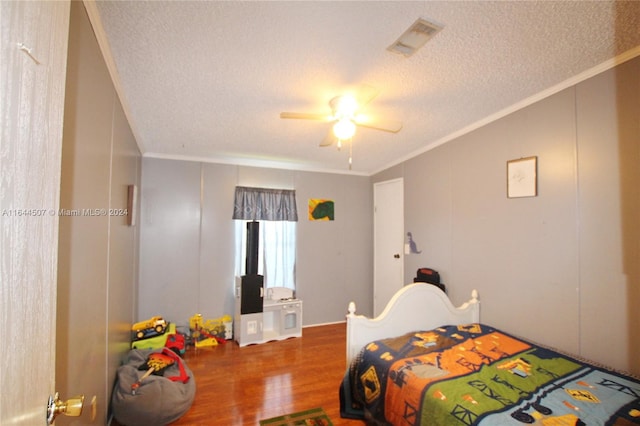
(276, 252)
(275, 210)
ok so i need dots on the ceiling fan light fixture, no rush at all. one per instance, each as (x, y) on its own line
(344, 129)
(344, 106)
(347, 106)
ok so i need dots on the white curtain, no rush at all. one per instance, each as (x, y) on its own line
(276, 253)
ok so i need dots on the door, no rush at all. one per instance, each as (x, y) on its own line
(33, 57)
(388, 200)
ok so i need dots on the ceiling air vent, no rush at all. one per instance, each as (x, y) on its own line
(414, 38)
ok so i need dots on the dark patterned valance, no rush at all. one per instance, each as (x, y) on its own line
(265, 204)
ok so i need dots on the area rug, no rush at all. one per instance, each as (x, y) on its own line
(313, 417)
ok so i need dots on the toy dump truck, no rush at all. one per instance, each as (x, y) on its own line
(154, 326)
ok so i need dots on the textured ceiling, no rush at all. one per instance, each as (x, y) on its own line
(207, 80)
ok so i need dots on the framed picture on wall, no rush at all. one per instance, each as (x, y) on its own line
(522, 177)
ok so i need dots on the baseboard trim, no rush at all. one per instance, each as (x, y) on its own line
(324, 323)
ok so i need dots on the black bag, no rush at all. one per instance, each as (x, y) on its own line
(430, 276)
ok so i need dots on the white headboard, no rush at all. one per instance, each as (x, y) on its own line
(415, 307)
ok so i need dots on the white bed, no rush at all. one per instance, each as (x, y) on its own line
(416, 306)
(423, 361)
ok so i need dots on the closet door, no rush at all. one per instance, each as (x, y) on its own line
(388, 241)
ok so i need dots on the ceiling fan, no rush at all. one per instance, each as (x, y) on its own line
(346, 116)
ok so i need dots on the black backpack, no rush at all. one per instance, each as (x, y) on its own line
(430, 276)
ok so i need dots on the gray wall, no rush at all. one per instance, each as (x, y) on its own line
(551, 267)
(559, 268)
(98, 255)
(187, 240)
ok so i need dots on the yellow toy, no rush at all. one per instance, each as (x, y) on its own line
(210, 332)
(154, 326)
(155, 342)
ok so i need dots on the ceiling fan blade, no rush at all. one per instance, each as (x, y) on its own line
(329, 139)
(366, 94)
(306, 116)
(391, 126)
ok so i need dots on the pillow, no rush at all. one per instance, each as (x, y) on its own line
(158, 400)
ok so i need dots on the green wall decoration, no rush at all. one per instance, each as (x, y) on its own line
(320, 209)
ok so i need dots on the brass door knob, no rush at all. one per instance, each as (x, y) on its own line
(71, 407)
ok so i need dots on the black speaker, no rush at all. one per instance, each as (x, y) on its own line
(252, 294)
(253, 240)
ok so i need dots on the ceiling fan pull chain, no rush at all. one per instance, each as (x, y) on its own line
(350, 153)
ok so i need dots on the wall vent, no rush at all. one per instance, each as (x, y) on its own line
(414, 38)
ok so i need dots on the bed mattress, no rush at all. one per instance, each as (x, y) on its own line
(478, 375)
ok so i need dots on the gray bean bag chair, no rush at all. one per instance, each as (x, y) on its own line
(159, 399)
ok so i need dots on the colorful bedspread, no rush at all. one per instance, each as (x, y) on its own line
(477, 375)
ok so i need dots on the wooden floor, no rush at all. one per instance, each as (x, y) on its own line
(241, 386)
